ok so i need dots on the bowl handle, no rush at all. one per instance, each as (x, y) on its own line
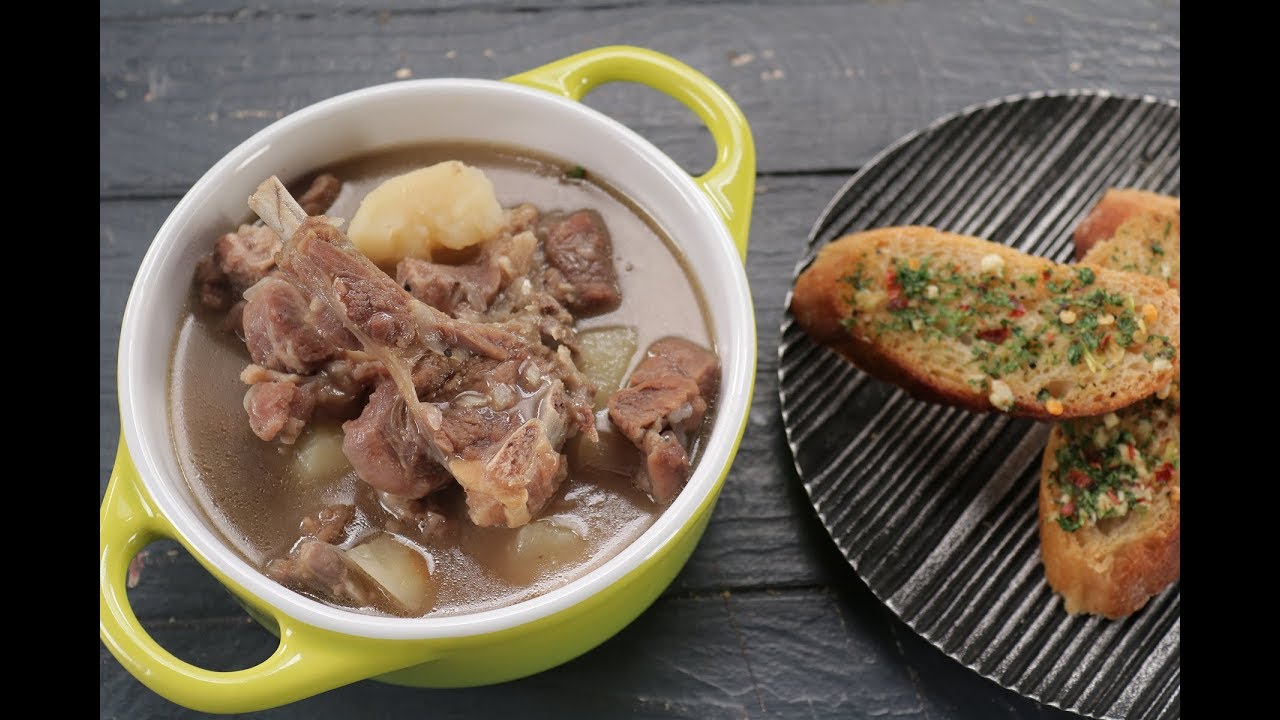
(308, 661)
(730, 183)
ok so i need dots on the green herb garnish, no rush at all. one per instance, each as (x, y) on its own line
(913, 282)
(1075, 353)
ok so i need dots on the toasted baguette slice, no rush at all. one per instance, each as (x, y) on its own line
(1112, 565)
(1106, 557)
(967, 322)
(1117, 206)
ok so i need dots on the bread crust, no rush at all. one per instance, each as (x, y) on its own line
(821, 300)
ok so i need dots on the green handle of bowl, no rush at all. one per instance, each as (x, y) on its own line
(308, 661)
(730, 183)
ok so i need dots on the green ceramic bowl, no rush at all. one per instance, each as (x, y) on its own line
(322, 647)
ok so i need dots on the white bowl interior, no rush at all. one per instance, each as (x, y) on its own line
(390, 115)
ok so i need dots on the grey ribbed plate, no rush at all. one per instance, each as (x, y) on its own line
(936, 507)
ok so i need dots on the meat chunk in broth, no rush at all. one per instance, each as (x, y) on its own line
(442, 410)
(280, 405)
(453, 289)
(387, 450)
(320, 195)
(662, 407)
(242, 258)
(317, 568)
(329, 524)
(238, 261)
(286, 331)
(581, 273)
(514, 477)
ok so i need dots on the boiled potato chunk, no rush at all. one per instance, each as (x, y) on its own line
(399, 569)
(447, 205)
(605, 355)
(546, 544)
(318, 455)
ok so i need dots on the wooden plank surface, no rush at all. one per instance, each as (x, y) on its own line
(766, 620)
(824, 86)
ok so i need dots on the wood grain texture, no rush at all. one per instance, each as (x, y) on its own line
(208, 9)
(824, 87)
(766, 620)
(816, 653)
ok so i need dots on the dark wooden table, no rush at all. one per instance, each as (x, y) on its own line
(767, 619)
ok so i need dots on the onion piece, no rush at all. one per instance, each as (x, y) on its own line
(604, 356)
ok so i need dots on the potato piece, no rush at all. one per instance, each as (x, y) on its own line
(545, 545)
(401, 570)
(447, 205)
(318, 455)
(605, 356)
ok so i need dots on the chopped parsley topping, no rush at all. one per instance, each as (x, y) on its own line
(856, 280)
(1126, 326)
(913, 282)
(1075, 319)
(1114, 465)
(1074, 353)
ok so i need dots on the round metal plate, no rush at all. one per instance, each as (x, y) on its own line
(933, 506)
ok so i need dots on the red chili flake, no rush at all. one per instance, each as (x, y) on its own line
(896, 300)
(963, 306)
(1132, 453)
(1079, 479)
(1106, 340)
(1069, 509)
(1018, 309)
(1165, 473)
(1046, 274)
(1048, 337)
(995, 335)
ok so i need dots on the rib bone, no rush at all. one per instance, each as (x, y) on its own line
(277, 208)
